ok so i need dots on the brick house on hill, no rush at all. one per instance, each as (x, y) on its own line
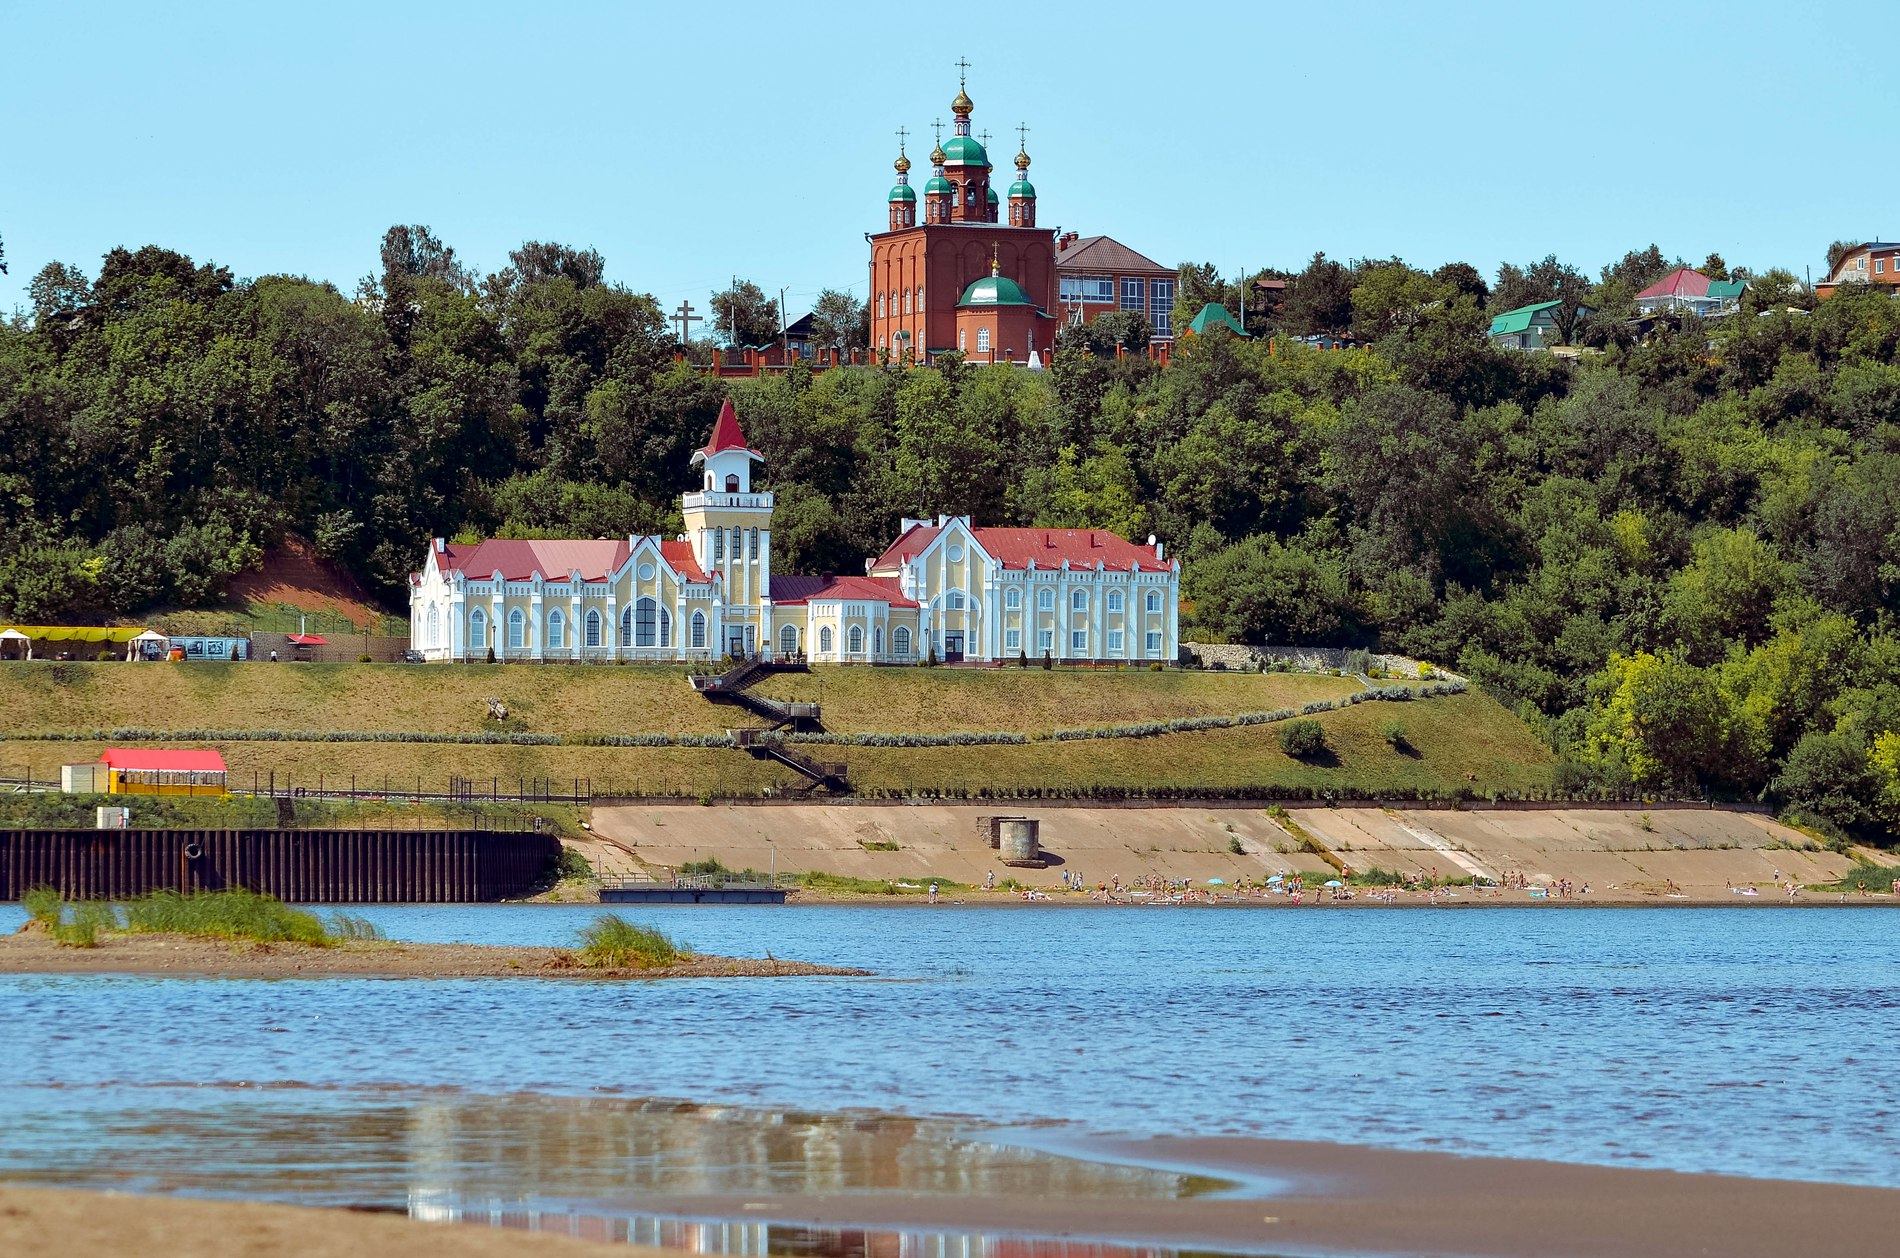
(1098, 274)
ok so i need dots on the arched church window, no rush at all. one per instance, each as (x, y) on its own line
(854, 641)
(516, 624)
(920, 297)
(593, 627)
(732, 484)
(738, 535)
(626, 626)
(699, 631)
(906, 301)
(982, 340)
(477, 628)
(666, 627)
(788, 640)
(1114, 600)
(900, 640)
(1013, 600)
(1079, 601)
(877, 640)
(646, 622)
(719, 545)
(752, 544)
(963, 338)
(1045, 600)
(435, 628)
(880, 305)
(557, 630)
(824, 640)
(954, 600)
(1154, 600)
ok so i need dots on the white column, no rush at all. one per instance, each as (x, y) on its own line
(458, 627)
(497, 623)
(1171, 639)
(535, 628)
(610, 631)
(576, 631)
(1098, 644)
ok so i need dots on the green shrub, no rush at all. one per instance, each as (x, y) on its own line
(354, 929)
(89, 917)
(1393, 732)
(363, 659)
(571, 864)
(43, 905)
(105, 657)
(1233, 845)
(1302, 738)
(613, 943)
(232, 914)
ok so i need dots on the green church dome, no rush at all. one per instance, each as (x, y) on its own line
(992, 196)
(903, 192)
(937, 183)
(963, 150)
(1022, 188)
(995, 290)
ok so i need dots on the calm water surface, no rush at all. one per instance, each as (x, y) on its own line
(1755, 1042)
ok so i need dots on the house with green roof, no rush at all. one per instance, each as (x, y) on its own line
(1214, 315)
(1528, 327)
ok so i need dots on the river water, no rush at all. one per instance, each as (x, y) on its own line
(1759, 1042)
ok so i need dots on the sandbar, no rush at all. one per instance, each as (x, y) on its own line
(31, 951)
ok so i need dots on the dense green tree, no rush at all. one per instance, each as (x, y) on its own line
(744, 315)
(840, 321)
(1319, 299)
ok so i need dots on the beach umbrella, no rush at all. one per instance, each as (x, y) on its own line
(1334, 882)
(1277, 878)
(1216, 882)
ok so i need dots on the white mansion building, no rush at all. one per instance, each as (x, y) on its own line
(971, 593)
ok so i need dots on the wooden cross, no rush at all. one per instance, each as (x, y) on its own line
(685, 317)
(963, 69)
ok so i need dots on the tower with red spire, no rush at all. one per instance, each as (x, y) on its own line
(730, 527)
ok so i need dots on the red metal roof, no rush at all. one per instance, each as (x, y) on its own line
(680, 555)
(802, 589)
(306, 639)
(1046, 548)
(162, 758)
(1681, 282)
(726, 434)
(555, 558)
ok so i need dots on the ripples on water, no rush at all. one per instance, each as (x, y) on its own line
(1754, 1042)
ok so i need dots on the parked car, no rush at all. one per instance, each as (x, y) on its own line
(412, 657)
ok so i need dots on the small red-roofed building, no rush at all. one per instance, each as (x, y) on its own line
(163, 771)
(945, 588)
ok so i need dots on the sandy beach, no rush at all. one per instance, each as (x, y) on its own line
(1324, 1199)
(51, 1221)
(30, 951)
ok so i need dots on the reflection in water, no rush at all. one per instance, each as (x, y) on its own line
(320, 1148)
(754, 1238)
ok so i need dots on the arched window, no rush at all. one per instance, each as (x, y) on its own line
(516, 624)
(788, 640)
(435, 629)
(906, 301)
(824, 640)
(752, 544)
(557, 630)
(719, 545)
(900, 640)
(963, 338)
(854, 641)
(666, 627)
(699, 630)
(877, 640)
(955, 600)
(732, 484)
(1114, 600)
(738, 536)
(1013, 600)
(646, 619)
(626, 627)
(982, 340)
(477, 628)
(920, 297)
(593, 627)
(1045, 600)
(880, 305)
(1154, 600)
(1079, 601)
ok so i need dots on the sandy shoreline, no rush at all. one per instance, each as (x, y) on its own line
(32, 952)
(1323, 1199)
(1463, 899)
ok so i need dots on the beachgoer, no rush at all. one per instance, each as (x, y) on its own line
(273, 657)
(933, 893)
(989, 881)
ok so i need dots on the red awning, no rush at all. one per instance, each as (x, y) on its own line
(307, 639)
(164, 759)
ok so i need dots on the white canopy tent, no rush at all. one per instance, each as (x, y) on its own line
(14, 635)
(134, 649)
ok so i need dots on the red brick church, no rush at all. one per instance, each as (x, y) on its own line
(970, 275)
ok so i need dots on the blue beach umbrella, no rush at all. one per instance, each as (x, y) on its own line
(1216, 882)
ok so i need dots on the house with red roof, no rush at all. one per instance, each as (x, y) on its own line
(944, 587)
(1688, 291)
(163, 771)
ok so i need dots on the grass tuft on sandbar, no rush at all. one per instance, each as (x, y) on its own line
(613, 943)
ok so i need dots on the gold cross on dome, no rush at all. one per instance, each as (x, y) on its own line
(902, 135)
(1022, 135)
(963, 70)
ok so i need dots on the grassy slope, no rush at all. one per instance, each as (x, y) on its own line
(1454, 736)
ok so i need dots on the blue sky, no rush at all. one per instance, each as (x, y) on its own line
(691, 143)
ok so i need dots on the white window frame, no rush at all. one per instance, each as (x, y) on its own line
(478, 628)
(698, 626)
(1078, 600)
(1012, 639)
(1012, 600)
(854, 640)
(954, 600)
(824, 639)
(592, 623)
(557, 630)
(1161, 306)
(1045, 599)
(1115, 600)
(1134, 294)
(1154, 642)
(1045, 641)
(1114, 641)
(788, 640)
(982, 340)
(1078, 643)
(1096, 290)
(719, 545)
(900, 641)
(1153, 602)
